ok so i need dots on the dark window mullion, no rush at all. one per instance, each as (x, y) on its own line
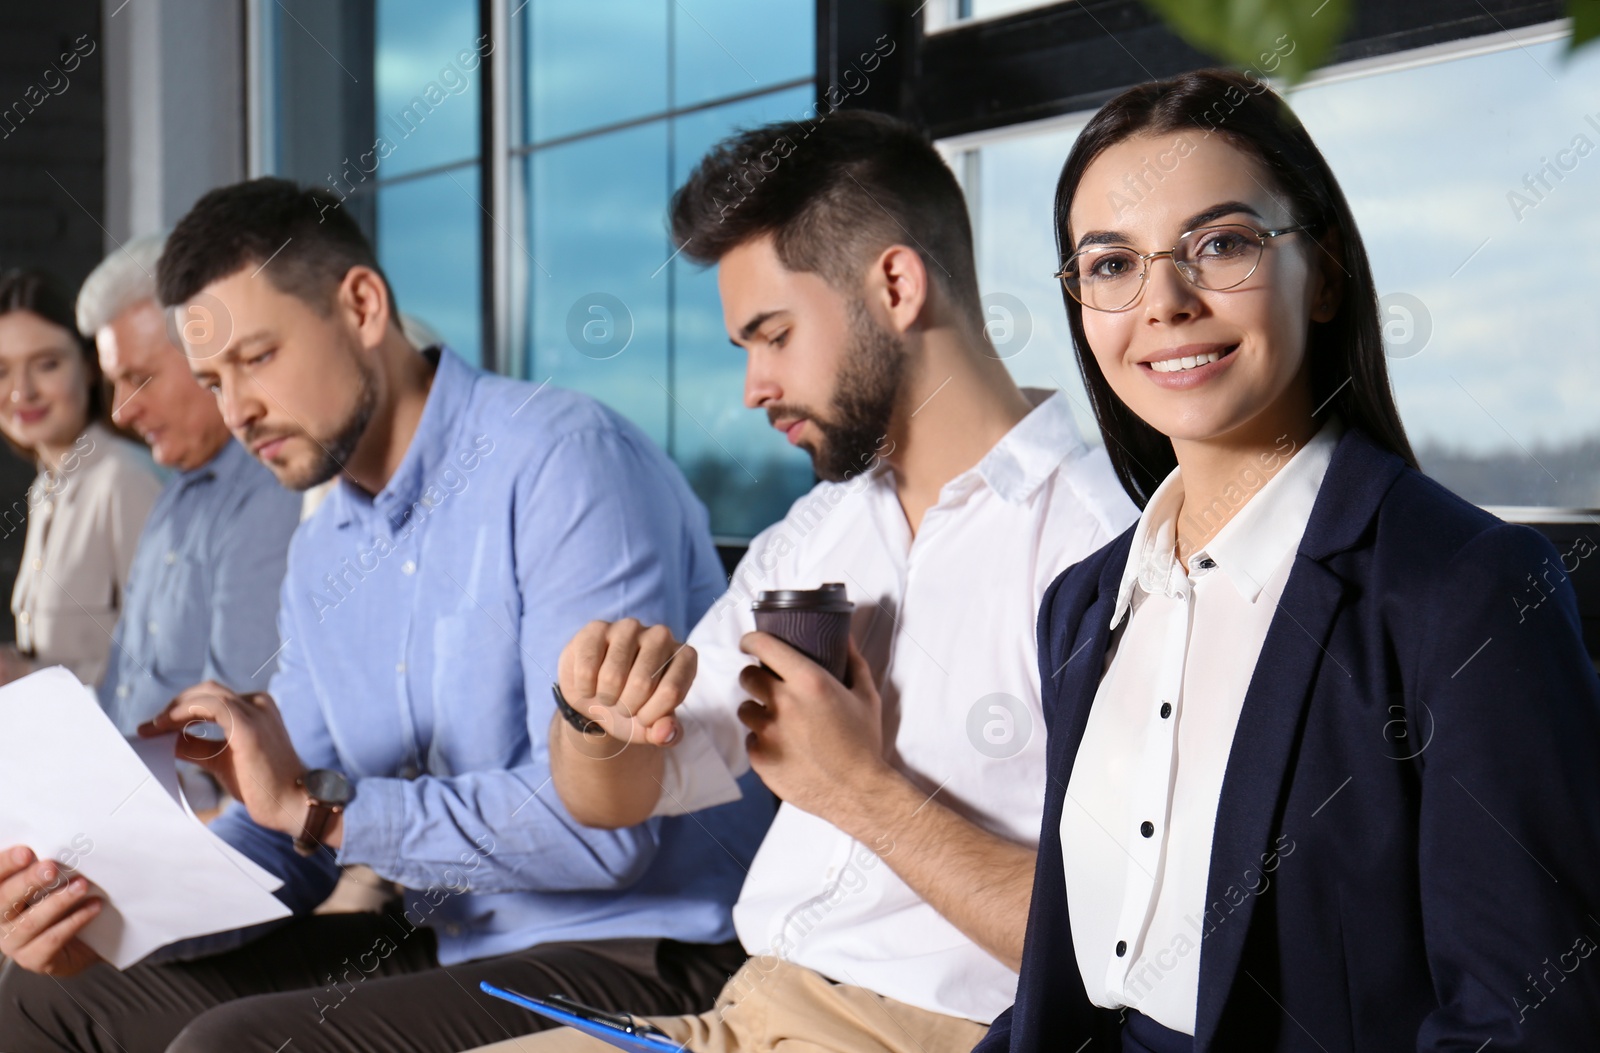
(672, 271)
(490, 338)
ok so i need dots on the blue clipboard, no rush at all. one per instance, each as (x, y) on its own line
(620, 1030)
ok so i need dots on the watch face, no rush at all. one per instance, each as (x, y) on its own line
(328, 786)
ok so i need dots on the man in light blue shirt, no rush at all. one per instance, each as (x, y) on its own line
(477, 524)
(202, 597)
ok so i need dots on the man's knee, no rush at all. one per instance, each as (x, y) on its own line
(233, 1026)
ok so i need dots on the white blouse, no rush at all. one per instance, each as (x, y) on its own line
(84, 521)
(1142, 799)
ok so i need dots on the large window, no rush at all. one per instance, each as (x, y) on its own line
(605, 108)
(1470, 169)
(380, 102)
(621, 100)
(513, 161)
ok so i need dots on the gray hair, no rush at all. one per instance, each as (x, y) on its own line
(123, 279)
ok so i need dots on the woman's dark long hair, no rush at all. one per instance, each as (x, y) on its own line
(30, 289)
(1347, 356)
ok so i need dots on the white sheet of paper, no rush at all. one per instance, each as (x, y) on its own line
(73, 789)
(159, 754)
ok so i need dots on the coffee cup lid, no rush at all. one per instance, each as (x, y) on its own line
(830, 597)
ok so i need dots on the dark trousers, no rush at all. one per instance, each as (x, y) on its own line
(351, 983)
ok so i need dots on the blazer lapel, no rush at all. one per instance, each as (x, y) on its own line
(1280, 690)
(1078, 679)
(1051, 998)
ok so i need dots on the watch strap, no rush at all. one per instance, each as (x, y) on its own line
(318, 815)
(572, 716)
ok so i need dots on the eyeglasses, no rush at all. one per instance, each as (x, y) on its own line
(1111, 277)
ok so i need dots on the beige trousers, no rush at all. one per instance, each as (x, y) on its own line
(770, 1006)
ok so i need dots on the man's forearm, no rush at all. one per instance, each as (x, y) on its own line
(982, 884)
(603, 782)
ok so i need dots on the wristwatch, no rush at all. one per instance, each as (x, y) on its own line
(328, 792)
(573, 717)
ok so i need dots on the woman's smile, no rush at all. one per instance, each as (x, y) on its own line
(1188, 366)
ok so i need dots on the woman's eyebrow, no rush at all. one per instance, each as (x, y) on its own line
(1199, 219)
(1216, 212)
(1103, 237)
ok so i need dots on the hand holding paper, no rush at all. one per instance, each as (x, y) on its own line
(255, 761)
(46, 907)
(73, 791)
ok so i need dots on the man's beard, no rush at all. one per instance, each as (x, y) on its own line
(338, 450)
(864, 396)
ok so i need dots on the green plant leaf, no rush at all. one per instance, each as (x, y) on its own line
(1585, 22)
(1282, 39)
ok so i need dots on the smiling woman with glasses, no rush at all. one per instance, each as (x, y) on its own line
(1317, 782)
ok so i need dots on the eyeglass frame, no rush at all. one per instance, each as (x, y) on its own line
(1146, 258)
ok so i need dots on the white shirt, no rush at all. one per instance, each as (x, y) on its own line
(1142, 798)
(947, 623)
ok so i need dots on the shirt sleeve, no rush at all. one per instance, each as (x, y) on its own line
(249, 557)
(703, 769)
(133, 494)
(602, 529)
(1509, 851)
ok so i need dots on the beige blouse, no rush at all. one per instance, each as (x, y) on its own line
(84, 521)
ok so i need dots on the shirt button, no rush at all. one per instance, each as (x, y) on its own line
(1122, 948)
(122, 690)
(172, 557)
(408, 567)
(1166, 710)
(400, 667)
(152, 628)
(24, 618)
(38, 564)
(1147, 828)
(1208, 563)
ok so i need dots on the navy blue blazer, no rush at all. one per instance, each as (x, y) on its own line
(1407, 846)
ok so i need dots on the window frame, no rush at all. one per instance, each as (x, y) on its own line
(1051, 61)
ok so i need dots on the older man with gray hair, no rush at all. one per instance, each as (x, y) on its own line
(202, 599)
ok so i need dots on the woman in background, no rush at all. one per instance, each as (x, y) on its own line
(88, 504)
(1319, 779)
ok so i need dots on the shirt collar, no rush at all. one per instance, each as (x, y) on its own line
(1268, 528)
(1250, 546)
(442, 416)
(1150, 564)
(1027, 454)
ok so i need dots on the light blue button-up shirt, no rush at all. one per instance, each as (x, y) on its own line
(202, 597)
(421, 632)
